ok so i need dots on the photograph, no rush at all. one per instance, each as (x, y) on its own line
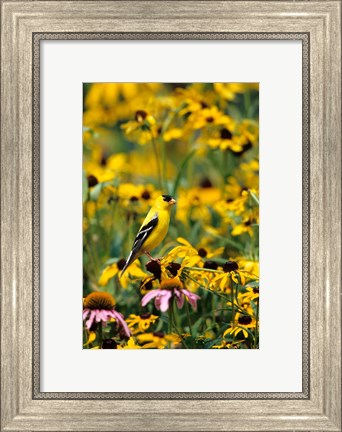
(170, 197)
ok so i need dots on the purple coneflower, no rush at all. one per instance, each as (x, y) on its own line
(99, 306)
(169, 289)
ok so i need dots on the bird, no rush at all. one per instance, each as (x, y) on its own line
(152, 231)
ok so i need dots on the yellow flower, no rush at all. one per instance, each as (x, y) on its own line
(227, 345)
(130, 345)
(207, 117)
(250, 266)
(251, 294)
(158, 340)
(143, 129)
(133, 272)
(172, 134)
(141, 322)
(241, 323)
(230, 273)
(229, 90)
(194, 203)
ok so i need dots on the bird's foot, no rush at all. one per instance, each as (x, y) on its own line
(153, 259)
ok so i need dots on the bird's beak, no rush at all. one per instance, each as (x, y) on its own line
(172, 201)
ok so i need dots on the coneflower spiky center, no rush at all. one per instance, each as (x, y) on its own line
(170, 284)
(99, 300)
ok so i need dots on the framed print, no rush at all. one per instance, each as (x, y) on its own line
(154, 155)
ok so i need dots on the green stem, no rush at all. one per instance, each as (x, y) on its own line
(181, 171)
(99, 334)
(219, 295)
(172, 324)
(169, 330)
(232, 301)
(203, 269)
(85, 335)
(188, 316)
(256, 325)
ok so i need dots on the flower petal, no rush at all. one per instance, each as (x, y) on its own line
(164, 300)
(90, 321)
(91, 338)
(192, 298)
(149, 296)
(179, 299)
(85, 313)
(121, 321)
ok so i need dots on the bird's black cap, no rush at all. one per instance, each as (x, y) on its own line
(167, 198)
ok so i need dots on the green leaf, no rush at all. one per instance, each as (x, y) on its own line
(181, 171)
(95, 192)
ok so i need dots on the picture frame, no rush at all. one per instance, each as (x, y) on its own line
(24, 24)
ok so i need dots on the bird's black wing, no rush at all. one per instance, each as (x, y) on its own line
(144, 232)
(142, 235)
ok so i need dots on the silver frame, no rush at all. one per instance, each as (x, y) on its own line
(24, 24)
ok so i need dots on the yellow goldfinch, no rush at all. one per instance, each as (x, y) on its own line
(153, 230)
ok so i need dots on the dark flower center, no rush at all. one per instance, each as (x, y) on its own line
(104, 158)
(210, 119)
(212, 265)
(173, 268)
(121, 263)
(92, 181)
(230, 266)
(204, 105)
(158, 334)
(229, 200)
(146, 195)
(245, 320)
(226, 134)
(206, 183)
(148, 285)
(256, 290)
(145, 316)
(245, 148)
(109, 344)
(154, 268)
(202, 253)
(134, 199)
(140, 116)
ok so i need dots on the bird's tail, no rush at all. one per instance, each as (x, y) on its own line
(130, 259)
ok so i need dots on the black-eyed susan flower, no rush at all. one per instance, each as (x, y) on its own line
(143, 129)
(134, 272)
(242, 322)
(157, 340)
(141, 323)
(170, 289)
(207, 116)
(251, 294)
(100, 307)
(230, 272)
